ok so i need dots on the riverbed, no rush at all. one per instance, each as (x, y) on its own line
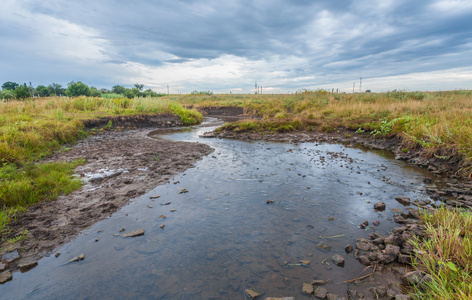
(251, 215)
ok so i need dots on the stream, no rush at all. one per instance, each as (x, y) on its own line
(242, 218)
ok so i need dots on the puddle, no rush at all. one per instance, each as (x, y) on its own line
(252, 212)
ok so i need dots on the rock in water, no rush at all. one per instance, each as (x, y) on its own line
(321, 292)
(5, 276)
(26, 266)
(308, 288)
(134, 233)
(252, 294)
(403, 200)
(380, 206)
(338, 260)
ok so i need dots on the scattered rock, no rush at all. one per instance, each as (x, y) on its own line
(338, 260)
(10, 257)
(308, 288)
(28, 265)
(305, 262)
(364, 224)
(75, 259)
(150, 206)
(162, 217)
(182, 191)
(363, 245)
(321, 292)
(134, 233)
(348, 248)
(318, 282)
(172, 210)
(122, 229)
(252, 294)
(380, 206)
(2, 266)
(5, 276)
(57, 254)
(412, 278)
(376, 223)
(403, 200)
(324, 246)
(96, 240)
(378, 292)
(364, 260)
(331, 296)
(270, 201)
(331, 219)
(81, 256)
(162, 226)
(155, 197)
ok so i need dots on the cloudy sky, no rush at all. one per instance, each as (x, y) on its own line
(225, 46)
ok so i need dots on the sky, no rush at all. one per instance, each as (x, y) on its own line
(227, 46)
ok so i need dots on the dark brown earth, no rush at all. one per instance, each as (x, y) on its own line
(135, 163)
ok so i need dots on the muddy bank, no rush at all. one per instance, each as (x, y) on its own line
(120, 165)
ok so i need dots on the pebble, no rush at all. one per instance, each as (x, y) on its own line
(26, 266)
(81, 256)
(154, 197)
(270, 201)
(321, 292)
(252, 294)
(10, 257)
(308, 289)
(5, 276)
(305, 262)
(162, 226)
(134, 233)
(162, 217)
(172, 210)
(338, 260)
(150, 206)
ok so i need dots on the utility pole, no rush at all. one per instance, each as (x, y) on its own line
(360, 86)
(255, 88)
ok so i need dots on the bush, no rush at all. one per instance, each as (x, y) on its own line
(77, 89)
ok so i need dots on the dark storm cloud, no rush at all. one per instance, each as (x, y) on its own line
(327, 41)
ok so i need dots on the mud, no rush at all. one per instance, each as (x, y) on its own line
(120, 165)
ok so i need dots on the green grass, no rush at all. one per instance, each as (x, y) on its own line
(33, 129)
(446, 254)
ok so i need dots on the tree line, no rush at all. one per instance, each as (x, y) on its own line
(12, 90)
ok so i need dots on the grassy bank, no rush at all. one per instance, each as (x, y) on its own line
(33, 129)
(446, 254)
(439, 123)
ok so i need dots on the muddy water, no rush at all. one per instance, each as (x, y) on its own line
(223, 236)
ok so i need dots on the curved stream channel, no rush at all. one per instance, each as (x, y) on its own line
(223, 236)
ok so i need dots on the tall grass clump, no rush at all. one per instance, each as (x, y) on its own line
(446, 254)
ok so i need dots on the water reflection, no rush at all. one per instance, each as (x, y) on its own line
(223, 236)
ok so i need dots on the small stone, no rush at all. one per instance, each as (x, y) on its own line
(138, 232)
(321, 292)
(305, 262)
(5, 276)
(308, 288)
(270, 201)
(26, 266)
(172, 210)
(150, 206)
(122, 229)
(57, 254)
(81, 256)
(99, 231)
(376, 223)
(10, 257)
(96, 240)
(364, 224)
(154, 197)
(348, 248)
(338, 260)
(116, 234)
(403, 200)
(324, 246)
(380, 206)
(162, 226)
(412, 278)
(364, 260)
(252, 294)
(182, 191)
(162, 217)
(331, 296)
(364, 246)
(331, 219)
(75, 259)
(318, 282)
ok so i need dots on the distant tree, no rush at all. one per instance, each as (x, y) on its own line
(94, 92)
(139, 86)
(7, 95)
(22, 92)
(128, 94)
(77, 89)
(9, 85)
(118, 89)
(150, 93)
(56, 89)
(41, 91)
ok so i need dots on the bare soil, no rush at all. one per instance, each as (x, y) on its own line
(120, 165)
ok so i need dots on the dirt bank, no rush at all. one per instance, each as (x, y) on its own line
(120, 165)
